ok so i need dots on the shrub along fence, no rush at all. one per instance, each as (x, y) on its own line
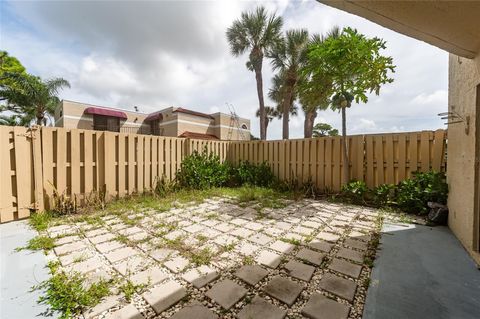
(35, 163)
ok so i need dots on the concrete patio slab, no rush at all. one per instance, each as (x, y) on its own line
(422, 272)
(20, 271)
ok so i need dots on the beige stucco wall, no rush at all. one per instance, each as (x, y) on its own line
(464, 76)
(70, 114)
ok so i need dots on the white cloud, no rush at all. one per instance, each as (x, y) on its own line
(439, 97)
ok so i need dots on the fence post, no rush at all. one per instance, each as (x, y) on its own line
(37, 167)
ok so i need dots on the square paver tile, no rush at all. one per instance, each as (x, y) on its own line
(194, 228)
(300, 270)
(127, 312)
(177, 264)
(269, 259)
(194, 312)
(345, 267)
(68, 248)
(253, 226)
(260, 239)
(328, 237)
(162, 254)
(131, 265)
(242, 232)
(251, 274)
(311, 256)
(109, 246)
(201, 276)
(339, 286)
(282, 247)
(247, 249)
(120, 254)
(259, 308)
(355, 244)
(350, 254)
(319, 244)
(226, 293)
(151, 276)
(102, 238)
(283, 289)
(321, 307)
(164, 296)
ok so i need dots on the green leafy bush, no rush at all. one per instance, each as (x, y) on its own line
(383, 195)
(355, 191)
(254, 175)
(412, 195)
(203, 170)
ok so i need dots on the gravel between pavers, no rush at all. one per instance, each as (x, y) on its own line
(254, 234)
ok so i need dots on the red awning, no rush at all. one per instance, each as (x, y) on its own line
(154, 116)
(105, 112)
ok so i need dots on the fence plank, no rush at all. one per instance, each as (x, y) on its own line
(109, 147)
(23, 171)
(88, 161)
(402, 157)
(438, 150)
(140, 146)
(37, 169)
(121, 168)
(6, 195)
(75, 163)
(425, 151)
(390, 159)
(61, 162)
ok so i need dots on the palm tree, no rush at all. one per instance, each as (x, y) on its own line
(33, 99)
(315, 97)
(276, 94)
(288, 57)
(256, 32)
(270, 113)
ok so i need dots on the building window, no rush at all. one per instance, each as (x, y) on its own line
(244, 126)
(106, 123)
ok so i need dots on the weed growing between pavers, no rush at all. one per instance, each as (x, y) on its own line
(39, 243)
(129, 289)
(67, 293)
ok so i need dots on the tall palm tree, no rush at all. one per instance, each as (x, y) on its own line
(288, 57)
(33, 99)
(315, 97)
(276, 94)
(256, 32)
(270, 113)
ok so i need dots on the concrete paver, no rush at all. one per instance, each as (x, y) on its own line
(321, 307)
(339, 286)
(164, 296)
(251, 274)
(226, 293)
(283, 289)
(259, 308)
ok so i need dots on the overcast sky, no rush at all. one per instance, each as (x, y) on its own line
(175, 53)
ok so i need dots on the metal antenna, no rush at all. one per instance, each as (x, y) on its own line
(234, 122)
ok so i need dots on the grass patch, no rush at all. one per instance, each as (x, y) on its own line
(129, 289)
(41, 220)
(67, 294)
(292, 241)
(39, 243)
(248, 260)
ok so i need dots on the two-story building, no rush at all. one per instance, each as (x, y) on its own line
(171, 121)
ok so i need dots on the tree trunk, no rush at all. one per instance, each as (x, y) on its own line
(266, 127)
(310, 117)
(287, 105)
(346, 162)
(261, 103)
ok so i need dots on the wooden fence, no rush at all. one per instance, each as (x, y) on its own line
(376, 158)
(34, 163)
